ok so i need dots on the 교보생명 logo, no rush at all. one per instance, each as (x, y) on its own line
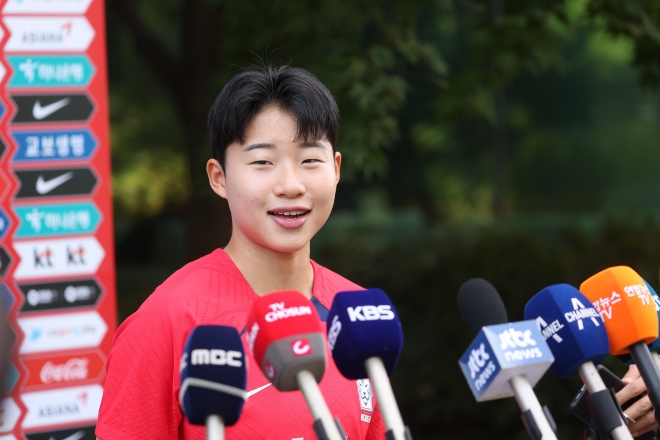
(58, 257)
(53, 145)
(48, 34)
(60, 406)
(65, 331)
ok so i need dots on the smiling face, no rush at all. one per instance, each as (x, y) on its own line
(280, 189)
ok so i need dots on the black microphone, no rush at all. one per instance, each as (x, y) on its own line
(213, 378)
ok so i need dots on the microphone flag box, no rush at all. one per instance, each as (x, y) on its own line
(655, 345)
(501, 352)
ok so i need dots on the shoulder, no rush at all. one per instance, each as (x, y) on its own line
(328, 283)
(200, 292)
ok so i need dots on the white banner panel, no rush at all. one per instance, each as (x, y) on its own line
(64, 405)
(62, 332)
(58, 257)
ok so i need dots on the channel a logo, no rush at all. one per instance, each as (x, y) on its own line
(64, 405)
(519, 345)
(581, 312)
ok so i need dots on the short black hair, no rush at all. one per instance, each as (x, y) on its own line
(291, 89)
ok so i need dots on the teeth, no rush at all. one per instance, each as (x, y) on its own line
(293, 213)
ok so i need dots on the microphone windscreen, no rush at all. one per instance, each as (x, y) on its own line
(363, 324)
(285, 336)
(480, 305)
(213, 375)
(623, 300)
(570, 325)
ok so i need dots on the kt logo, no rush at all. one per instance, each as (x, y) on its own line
(75, 256)
(42, 259)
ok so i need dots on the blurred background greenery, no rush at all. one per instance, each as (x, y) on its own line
(514, 140)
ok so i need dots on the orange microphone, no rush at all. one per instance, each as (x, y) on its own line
(626, 305)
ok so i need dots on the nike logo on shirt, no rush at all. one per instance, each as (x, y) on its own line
(46, 186)
(40, 112)
(256, 390)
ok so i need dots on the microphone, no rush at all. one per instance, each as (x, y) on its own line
(624, 302)
(654, 346)
(505, 359)
(285, 337)
(577, 338)
(213, 378)
(365, 338)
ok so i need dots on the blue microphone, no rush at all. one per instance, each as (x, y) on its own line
(504, 359)
(365, 338)
(576, 334)
(213, 378)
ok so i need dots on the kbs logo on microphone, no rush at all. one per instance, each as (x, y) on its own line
(370, 313)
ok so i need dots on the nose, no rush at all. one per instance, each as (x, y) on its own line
(288, 183)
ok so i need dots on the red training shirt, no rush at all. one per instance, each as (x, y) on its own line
(141, 396)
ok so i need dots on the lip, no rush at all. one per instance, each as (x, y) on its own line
(289, 223)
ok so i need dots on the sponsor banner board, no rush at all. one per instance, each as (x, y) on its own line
(66, 331)
(4, 223)
(5, 261)
(80, 433)
(60, 295)
(64, 370)
(55, 182)
(60, 406)
(41, 7)
(9, 414)
(59, 219)
(35, 109)
(58, 257)
(50, 71)
(37, 146)
(48, 34)
(12, 378)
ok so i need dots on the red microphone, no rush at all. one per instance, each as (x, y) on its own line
(285, 337)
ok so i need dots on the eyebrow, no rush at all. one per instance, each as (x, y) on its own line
(272, 146)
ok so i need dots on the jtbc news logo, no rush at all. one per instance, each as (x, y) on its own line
(481, 364)
(518, 345)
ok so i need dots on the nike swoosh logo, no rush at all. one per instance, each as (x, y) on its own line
(40, 112)
(255, 391)
(77, 436)
(46, 186)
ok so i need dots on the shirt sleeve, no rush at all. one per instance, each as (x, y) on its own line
(138, 399)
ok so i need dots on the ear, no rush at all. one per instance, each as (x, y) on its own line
(217, 178)
(337, 165)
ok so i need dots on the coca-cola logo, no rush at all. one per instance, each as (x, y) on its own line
(73, 369)
(64, 369)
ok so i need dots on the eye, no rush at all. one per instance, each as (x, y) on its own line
(260, 162)
(312, 161)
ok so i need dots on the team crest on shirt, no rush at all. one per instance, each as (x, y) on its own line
(365, 394)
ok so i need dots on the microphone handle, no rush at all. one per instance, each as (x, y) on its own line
(527, 401)
(656, 358)
(386, 401)
(215, 428)
(591, 378)
(317, 405)
(650, 374)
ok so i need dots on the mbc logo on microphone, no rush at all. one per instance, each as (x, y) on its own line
(500, 352)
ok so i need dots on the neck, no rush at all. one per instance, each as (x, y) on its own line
(268, 271)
